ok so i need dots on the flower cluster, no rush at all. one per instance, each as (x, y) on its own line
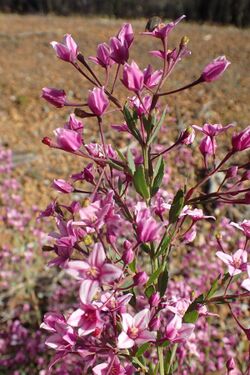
(120, 241)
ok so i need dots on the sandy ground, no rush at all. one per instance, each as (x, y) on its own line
(28, 63)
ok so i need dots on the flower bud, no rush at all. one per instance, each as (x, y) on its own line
(67, 50)
(232, 172)
(98, 101)
(241, 141)
(54, 96)
(215, 69)
(154, 299)
(133, 77)
(140, 278)
(187, 136)
(207, 146)
(67, 139)
(184, 41)
(118, 51)
(62, 186)
(127, 245)
(128, 256)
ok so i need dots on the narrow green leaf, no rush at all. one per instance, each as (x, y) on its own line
(122, 157)
(165, 243)
(158, 176)
(163, 282)
(140, 182)
(115, 165)
(142, 349)
(131, 162)
(155, 275)
(214, 288)
(149, 291)
(176, 206)
(132, 266)
(131, 122)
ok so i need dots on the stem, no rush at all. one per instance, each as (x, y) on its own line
(161, 359)
(172, 358)
(116, 75)
(196, 82)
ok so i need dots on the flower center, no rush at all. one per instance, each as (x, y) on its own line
(93, 272)
(133, 332)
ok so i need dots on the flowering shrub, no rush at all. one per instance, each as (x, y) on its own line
(146, 293)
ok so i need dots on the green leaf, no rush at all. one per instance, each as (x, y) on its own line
(176, 206)
(122, 157)
(142, 349)
(149, 291)
(140, 182)
(191, 316)
(157, 127)
(163, 282)
(131, 122)
(155, 275)
(165, 243)
(131, 162)
(145, 248)
(213, 289)
(132, 266)
(158, 175)
(115, 165)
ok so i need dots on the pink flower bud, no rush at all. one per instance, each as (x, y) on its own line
(207, 146)
(151, 79)
(67, 50)
(127, 245)
(155, 299)
(140, 278)
(241, 141)
(230, 364)
(245, 176)
(232, 172)
(126, 34)
(67, 139)
(98, 101)
(128, 256)
(118, 51)
(54, 96)
(62, 186)
(187, 136)
(215, 69)
(102, 56)
(74, 124)
(133, 77)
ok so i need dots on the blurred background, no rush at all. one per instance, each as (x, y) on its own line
(235, 12)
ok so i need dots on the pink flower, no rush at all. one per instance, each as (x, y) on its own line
(118, 51)
(54, 96)
(246, 283)
(140, 278)
(196, 214)
(68, 140)
(208, 146)
(95, 268)
(87, 317)
(148, 229)
(126, 34)
(103, 56)
(135, 330)
(215, 69)
(162, 30)
(133, 77)
(98, 101)
(187, 136)
(236, 263)
(244, 226)
(151, 79)
(62, 186)
(141, 106)
(241, 141)
(212, 130)
(67, 50)
(113, 366)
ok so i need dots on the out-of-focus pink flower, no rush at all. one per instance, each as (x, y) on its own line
(67, 50)
(246, 283)
(241, 141)
(190, 235)
(103, 56)
(207, 146)
(67, 139)
(244, 226)
(147, 227)
(85, 175)
(196, 214)
(135, 330)
(133, 77)
(114, 302)
(128, 256)
(162, 30)
(232, 171)
(140, 278)
(95, 268)
(236, 263)
(215, 69)
(98, 101)
(141, 106)
(151, 78)
(54, 96)
(62, 186)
